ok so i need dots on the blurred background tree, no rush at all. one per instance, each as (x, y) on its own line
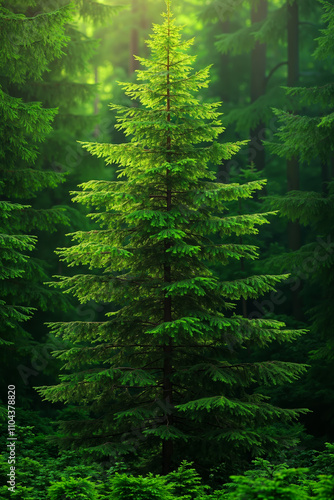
(46, 106)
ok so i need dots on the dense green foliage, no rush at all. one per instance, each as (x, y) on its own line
(49, 476)
(308, 134)
(269, 481)
(160, 228)
(43, 63)
(171, 329)
(28, 46)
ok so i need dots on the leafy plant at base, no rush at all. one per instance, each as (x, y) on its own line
(124, 487)
(73, 489)
(171, 320)
(187, 482)
(38, 465)
(270, 481)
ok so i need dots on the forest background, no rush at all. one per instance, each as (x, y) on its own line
(69, 59)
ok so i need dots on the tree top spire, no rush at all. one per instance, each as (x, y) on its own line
(168, 8)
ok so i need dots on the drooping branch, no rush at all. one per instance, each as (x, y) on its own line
(274, 69)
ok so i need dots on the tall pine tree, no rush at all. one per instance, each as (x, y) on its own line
(28, 45)
(163, 369)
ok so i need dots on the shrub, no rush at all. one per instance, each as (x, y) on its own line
(73, 489)
(151, 487)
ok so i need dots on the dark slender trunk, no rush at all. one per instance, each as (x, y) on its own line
(243, 300)
(167, 445)
(96, 102)
(294, 233)
(259, 13)
(242, 267)
(223, 174)
(325, 176)
(134, 39)
(145, 25)
(294, 230)
(293, 43)
(258, 86)
(224, 67)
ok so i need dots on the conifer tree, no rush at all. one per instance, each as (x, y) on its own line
(43, 57)
(28, 45)
(65, 86)
(288, 21)
(308, 135)
(163, 369)
(268, 31)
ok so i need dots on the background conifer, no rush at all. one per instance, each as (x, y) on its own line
(28, 44)
(43, 61)
(308, 135)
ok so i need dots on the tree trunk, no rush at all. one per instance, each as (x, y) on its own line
(259, 13)
(223, 174)
(258, 86)
(167, 445)
(134, 38)
(325, 176)
(96, 132)
(294, 232)
(145, 25)
(293, 44)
